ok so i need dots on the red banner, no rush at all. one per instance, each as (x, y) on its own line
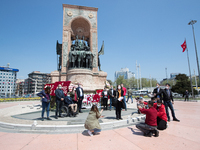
(53, 86)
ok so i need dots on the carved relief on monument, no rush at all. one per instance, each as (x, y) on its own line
(65, 36)
(65, 47)
(94, 48)
(77, 13)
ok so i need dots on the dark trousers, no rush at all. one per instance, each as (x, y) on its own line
(46, 106)
(161, 124)
(105, 103)
(187, 97)
(145, 128)
(59, 105)
(169, 104)
(119, 106)
(80, 103)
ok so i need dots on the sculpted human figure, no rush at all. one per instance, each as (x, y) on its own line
(83, 56)
(88, 59)
(79, 58)
(77, 47)
(73, 59)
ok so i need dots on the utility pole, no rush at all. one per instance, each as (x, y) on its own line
(195, 80)
(166, 74)
(140, 77)
(137, 75)
(150, 82)
(190, 72)
(191, 23)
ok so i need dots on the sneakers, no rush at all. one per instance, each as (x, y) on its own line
(42, 118)
(90, 133)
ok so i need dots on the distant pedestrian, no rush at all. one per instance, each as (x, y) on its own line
(120, 102)
(130, 93)
(80, 96)
(46, 98)
(124, 89)
(59, 101)
(186, 95)
(105, 98)
(111, 94)
(92, 122)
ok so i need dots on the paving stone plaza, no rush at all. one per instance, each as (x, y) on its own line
(17, 130)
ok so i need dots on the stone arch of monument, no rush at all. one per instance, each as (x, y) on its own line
(80, 26)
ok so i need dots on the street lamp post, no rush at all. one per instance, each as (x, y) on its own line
(191, 23)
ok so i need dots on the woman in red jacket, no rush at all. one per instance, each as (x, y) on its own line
(161, 115)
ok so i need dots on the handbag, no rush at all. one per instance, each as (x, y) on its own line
(114, 102)
(123, 104)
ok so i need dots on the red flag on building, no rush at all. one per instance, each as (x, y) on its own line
(184, 46)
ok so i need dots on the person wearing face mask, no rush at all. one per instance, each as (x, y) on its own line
(59, 100)
(161, 115)
(157, 90)
(168, 101)
(120, 96)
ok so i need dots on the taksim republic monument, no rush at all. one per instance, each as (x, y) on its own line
(78, 56)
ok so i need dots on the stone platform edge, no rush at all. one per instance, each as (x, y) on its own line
(34, 128)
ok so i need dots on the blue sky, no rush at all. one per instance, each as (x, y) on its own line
(150, 32)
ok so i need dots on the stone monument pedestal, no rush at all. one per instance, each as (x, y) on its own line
(90, 81)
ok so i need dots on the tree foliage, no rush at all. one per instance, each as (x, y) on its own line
(182, 84)
(132, 82)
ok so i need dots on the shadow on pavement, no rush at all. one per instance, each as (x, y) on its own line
(135, 132)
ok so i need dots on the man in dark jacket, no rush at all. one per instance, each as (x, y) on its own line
(186, 95)
(157, 90)
(59, 100)
(80, 96)
(149, 127)
(168, 101)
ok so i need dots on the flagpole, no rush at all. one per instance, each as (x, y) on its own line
(189, 71)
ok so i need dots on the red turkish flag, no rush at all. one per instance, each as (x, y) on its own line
(184, 46)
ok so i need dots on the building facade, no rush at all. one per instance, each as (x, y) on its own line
(124, 72)
(36, 81)
(7, 81)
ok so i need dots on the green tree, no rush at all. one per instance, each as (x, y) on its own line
(121, 80)
(171, 82)
(182, 84)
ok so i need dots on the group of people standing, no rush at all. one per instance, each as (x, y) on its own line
(156, 110)
(117, 99)
(157, 113)
(74, 98)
